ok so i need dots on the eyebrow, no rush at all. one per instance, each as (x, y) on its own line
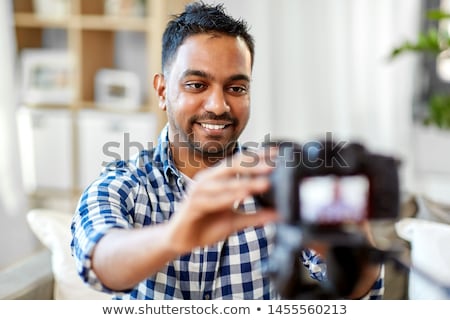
(203, 74)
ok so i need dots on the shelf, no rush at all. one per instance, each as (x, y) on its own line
(72, 130)
(56, 193)
(30, 20)
(86, 22)
(101, 22)
(90, 105)
(87, 105)
(45, 106)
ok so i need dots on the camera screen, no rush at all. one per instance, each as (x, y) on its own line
(333, 199)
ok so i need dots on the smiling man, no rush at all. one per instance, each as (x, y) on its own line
(163, 225)
(205, 91)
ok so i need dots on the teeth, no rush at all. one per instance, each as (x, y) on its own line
(213, 126)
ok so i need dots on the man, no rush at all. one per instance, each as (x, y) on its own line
(164, 225)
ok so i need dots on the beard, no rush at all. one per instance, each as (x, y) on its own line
(214, 147)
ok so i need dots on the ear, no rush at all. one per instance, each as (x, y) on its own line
(159, 84)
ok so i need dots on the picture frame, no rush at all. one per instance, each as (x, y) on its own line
(117, 89)
(47, 77)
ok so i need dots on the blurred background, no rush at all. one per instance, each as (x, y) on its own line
(74, 90)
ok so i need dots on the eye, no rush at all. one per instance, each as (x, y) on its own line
(195, 86)
(237, 90)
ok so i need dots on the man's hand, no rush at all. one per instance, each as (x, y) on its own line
(207, 215)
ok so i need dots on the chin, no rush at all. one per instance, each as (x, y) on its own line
(218, 151)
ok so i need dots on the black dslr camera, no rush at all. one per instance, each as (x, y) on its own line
(322, 191)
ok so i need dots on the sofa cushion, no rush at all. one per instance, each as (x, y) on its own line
(30, 278)
(429, 277)
(52, 228)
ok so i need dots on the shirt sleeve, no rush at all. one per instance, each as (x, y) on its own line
(107, 203)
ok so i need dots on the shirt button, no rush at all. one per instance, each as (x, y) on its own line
(207, 297)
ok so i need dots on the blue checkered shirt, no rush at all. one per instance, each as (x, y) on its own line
(147, 190)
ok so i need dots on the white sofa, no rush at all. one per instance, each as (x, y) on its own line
(49, 273)
(28, 279)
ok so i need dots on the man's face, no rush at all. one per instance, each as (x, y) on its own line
(207, 93)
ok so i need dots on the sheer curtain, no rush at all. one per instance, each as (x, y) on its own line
(322, 66)
(17, 240)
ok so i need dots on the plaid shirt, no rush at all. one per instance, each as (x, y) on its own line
(147, 190)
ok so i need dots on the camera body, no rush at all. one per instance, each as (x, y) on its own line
(326, 184)
(322, 190)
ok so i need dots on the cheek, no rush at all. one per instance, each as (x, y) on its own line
(181, 106)
(243, 113)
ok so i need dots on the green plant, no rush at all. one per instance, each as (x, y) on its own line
(439, 111)
(432, 42)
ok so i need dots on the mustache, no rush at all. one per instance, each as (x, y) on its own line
(212, 116)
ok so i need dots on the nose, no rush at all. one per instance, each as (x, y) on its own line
(216, 102)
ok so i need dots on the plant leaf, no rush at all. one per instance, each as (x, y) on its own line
(436, 14)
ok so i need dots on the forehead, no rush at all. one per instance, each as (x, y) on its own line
(210, 51)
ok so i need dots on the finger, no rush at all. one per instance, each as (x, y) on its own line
(220, 195)
(258, 219)
(255, 163)
(246, 185)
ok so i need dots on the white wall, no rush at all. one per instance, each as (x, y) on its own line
(321, 66)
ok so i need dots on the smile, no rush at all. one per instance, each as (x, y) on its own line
(213, 126)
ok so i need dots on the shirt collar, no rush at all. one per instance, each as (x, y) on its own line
(163, 154)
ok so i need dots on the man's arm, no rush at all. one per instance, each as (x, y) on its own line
(124, 257)
(372, 276)
(371, 281)
(370, 285)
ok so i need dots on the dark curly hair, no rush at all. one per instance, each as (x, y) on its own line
(197, 18)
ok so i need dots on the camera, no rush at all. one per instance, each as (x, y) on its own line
(323, 190)
(329, 184)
